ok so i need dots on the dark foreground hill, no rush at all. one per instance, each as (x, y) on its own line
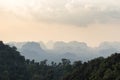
(97, 69)
(13, 66)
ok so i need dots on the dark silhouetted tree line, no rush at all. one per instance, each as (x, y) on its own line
(14, 66)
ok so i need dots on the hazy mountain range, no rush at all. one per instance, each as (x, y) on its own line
(55, 51)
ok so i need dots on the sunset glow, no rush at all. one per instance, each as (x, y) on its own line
(87, 21)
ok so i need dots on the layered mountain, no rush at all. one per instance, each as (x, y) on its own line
(55, 51)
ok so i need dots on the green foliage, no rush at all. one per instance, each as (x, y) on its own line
(13, 66)
(97, 69)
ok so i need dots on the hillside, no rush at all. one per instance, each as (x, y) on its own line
(13, 66)
(97, 69)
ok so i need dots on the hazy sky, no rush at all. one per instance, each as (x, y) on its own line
(90, 21)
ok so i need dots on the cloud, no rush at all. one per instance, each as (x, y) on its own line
(72, 12)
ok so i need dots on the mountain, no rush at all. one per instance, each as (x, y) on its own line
(32, 50)
(54, 51)
(13, 66)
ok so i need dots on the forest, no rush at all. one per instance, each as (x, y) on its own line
(14, 66)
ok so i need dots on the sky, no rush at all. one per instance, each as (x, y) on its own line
(90, 21)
